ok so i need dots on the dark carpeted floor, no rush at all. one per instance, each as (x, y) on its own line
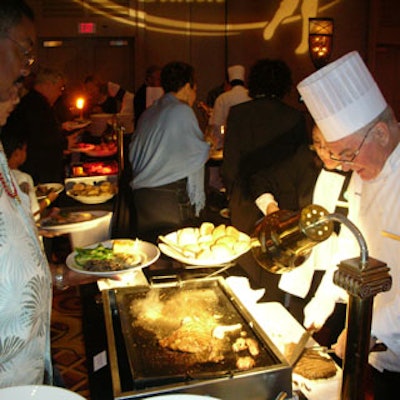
(68, 348)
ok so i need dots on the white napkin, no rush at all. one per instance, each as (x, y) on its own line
(134, 278)
(327, 389)
(241, 288)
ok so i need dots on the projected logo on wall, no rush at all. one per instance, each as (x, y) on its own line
(288, 11)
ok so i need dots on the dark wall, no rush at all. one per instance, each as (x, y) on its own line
(208, 34)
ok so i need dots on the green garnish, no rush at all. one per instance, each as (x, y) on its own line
(97, 253)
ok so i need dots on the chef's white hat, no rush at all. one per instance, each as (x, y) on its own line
(236, 72)
(342, 97)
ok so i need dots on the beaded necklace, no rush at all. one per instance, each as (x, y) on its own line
(13, 193)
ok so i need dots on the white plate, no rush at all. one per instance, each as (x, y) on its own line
(96, 152)
(170, 252)
(98, 216)
(88, 147)
(57, 187)
(38, 392)
(92, 199)
(182, 396)
(148, 251)
(78, 124)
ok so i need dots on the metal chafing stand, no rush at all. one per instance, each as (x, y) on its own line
(285, 242)
(362, 278)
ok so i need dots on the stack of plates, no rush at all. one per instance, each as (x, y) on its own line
(38, 392)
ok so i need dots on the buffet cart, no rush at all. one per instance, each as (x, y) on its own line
(112, 345)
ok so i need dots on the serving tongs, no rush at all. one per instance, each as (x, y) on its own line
(184, 253)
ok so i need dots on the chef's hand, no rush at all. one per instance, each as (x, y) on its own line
(340, 345)
(317, 311)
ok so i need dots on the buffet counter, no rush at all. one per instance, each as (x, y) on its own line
(109, 366)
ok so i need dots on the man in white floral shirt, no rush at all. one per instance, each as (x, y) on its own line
(25, 280)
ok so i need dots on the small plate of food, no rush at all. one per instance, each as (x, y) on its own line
(103, 150)
(43, 189)
(82, 147)
(208, 245)
(72, 221)
(93, 193)
(113, 257)
(76, 124)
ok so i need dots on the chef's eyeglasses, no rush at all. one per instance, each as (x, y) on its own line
(27, 53)
(350, 157)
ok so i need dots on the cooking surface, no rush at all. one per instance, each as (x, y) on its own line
(149, 316)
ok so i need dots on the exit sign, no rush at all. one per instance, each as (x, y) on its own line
(86, 27)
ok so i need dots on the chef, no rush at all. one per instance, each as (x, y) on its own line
(363, 135)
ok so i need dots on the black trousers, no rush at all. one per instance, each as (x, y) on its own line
(386, 384)
(162, 209)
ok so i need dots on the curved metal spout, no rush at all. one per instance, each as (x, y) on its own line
(355, 231)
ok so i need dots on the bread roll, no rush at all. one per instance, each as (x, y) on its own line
(78, 186)
(206, 228)
(124, 246)
(106, 187)
(243, 237)
(227, 240)
(241, 246)
(221, 251)
(218, 231)
(232, 231)
(190, 250)
(187, 236)
(204, 254)
(205, 239)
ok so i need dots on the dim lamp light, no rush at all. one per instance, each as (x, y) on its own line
(80, 103)
(320, 40)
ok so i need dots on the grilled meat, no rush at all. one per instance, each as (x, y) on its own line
(191, 337)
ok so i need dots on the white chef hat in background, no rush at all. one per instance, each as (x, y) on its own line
(342, 97)
(236, 72)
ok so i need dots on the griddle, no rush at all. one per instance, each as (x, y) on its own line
(154, 369)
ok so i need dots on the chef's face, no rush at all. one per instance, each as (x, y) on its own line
(16, 55)
(321, 148)
(364, 153)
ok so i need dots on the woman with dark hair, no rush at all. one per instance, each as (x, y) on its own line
(168, 154)
(270, 78)
(260, 133)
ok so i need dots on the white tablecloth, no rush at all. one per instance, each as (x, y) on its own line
(283, 329)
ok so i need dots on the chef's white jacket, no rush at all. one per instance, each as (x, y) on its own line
(374, 206)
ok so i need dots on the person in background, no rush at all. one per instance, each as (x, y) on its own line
(168, 154)
(235, 95)
(152, 79)
(107, 97)
(260, 133)
(25, 279)
(363, 136)
(212, 95)
(35, 119)
(15, 149)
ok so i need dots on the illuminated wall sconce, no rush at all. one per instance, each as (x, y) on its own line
(320, 40)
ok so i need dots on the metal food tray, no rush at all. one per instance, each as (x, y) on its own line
(130, 349)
